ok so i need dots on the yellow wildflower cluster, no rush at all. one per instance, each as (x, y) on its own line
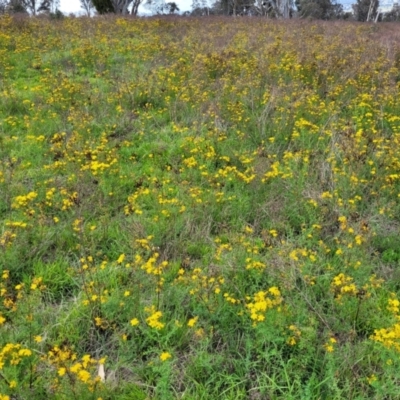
(390, 337)
(262, 302)
(144, 243)
(330, 345)
(152, 267)
(69, 366)
(254, 264)
(13, 353)
(393, 306)
(165, 356)
(192, 322)
(7, 238)
(295, 334)
(343, 285)
(153, 320)
(24, 200)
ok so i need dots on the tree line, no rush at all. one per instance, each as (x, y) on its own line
(362, 10)
(32, 7)
(90, 7)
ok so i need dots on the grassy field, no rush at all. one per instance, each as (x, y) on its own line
(199, 209)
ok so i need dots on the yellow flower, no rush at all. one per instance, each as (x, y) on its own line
(61, 371)
(165, 355)
(83, 375)
(192, 322)
(329, 348)
(248, 229)
(76, 368)
(326, 195)
(273, 232)
(153, 320)
(329, 345)
(274, 291)
(13, 384)
(86, 360)
(199, 333)
(121, 258)
(134, 322)
(291, 341)
(38, 339)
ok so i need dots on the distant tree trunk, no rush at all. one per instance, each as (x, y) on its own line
(135, 6)
(371, 10)
(286, 10)
(87, 6)
(366, 10)
(282, 8)
(30, 5)
(121, 6)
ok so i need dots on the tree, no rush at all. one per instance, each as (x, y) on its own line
(15, 6)
(156, 6)
(284, 8)
(393, 14)
(116, 6)
(200, 7)
(103, 6)
(366, 10)
(44, 6)
(171, 7)
(275, 8)
(232, 7)
(319, 9)
(121, 6)
(135, 6)
(57, 14)
(35, 6)
(3, 6)
(87, 6)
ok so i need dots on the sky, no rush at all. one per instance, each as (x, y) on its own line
(73, 6)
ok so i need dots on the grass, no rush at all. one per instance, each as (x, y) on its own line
(199, 208)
